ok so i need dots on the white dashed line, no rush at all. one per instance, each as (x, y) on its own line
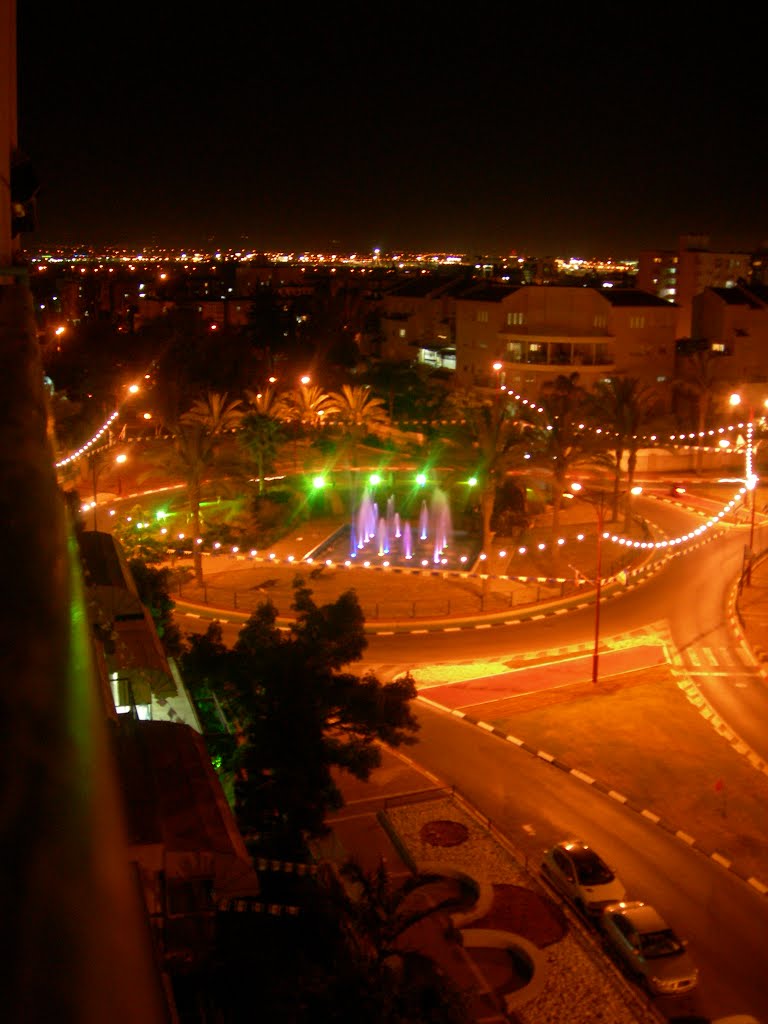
(685, 837)
(650, 816)
(583, 776)
(484, 725)
(720, 860)
(543, 754)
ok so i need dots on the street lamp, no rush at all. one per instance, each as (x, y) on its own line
(599, 502)
(751, 478)
(120, 460)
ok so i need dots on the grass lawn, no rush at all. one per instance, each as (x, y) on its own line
(641, 736)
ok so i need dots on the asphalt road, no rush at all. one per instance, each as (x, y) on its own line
(725, 921)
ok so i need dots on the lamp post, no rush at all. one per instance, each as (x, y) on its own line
(119, 461)
(750, 479)
(599, 502)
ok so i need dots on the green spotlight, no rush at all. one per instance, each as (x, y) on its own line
(472, 481)
(421, 479)
(160, 514)
(318, 482)
(374, 479)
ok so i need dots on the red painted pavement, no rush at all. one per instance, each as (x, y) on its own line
(484, 689)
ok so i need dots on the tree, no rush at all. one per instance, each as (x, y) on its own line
(357, 409)
(301, 715)
(307, 405)
(381, 913)
(153, 585)
(261, 432)
(261, 436)
(622, 407)
(500, 440)
(215, 413)
(562, 441)
(700, 382)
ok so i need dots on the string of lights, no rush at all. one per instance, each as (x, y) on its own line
(676, 440)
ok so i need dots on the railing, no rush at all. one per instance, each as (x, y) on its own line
(77, 945)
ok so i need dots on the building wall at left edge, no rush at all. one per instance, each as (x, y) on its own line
(77, 945)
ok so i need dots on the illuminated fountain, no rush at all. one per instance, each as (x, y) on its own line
(389, 537)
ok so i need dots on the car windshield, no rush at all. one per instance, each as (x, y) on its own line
(658, 944)
(590, 870)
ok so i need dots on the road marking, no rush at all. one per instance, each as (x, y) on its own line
(512, 622)
(746, 656)
(483, 625)
(414, 632)
(452, 629)
(547, 757)
(535, 618)
(192, 615)
(709, 655)
(756, 884)
(720, 860)
(694, 657)
(561, 611)
(529, 829)
(488, 728)
(650, 816)
(385, 632)
(685, 837)
(582, 775)
(514, 739)
(617, 796)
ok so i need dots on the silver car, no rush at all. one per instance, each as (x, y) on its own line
(582, 876)
(645, 944)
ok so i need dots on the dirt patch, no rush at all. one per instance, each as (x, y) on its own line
(524, 912)
(444, 833)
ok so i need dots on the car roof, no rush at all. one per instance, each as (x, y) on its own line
(643, 917)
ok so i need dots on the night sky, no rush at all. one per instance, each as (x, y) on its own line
(476, 129)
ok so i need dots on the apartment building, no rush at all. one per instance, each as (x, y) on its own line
(732, 323)
(681, 275)
(417, 320)
(535, 333)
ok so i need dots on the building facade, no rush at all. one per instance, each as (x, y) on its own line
(683, 274)
(524, 337)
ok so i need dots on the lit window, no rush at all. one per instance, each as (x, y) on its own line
(401, 332)
(482, 316)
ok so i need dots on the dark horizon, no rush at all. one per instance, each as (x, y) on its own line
(542, 135)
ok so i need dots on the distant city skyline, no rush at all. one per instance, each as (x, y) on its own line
(548, 135)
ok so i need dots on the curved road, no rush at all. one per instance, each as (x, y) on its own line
(725, 919)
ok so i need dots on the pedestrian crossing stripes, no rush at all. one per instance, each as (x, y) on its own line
(717, 660)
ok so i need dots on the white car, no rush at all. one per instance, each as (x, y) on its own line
(644, 943)
(583, 877)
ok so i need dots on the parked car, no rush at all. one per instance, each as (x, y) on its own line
(578, 873)
(640, 938)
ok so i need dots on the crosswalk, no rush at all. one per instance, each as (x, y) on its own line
(718, 661)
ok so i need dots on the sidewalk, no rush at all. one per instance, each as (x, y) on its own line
(390, 818)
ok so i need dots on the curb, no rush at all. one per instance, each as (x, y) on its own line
(756, 884)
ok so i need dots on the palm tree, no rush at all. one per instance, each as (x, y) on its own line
(261, 436)
(501, 441)
(699, 381)
(357, 409)
(215, 413)
(307, 405)
(562, 442)
(261, 430)
(268, 401)
(194, 451)
(622, 407)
